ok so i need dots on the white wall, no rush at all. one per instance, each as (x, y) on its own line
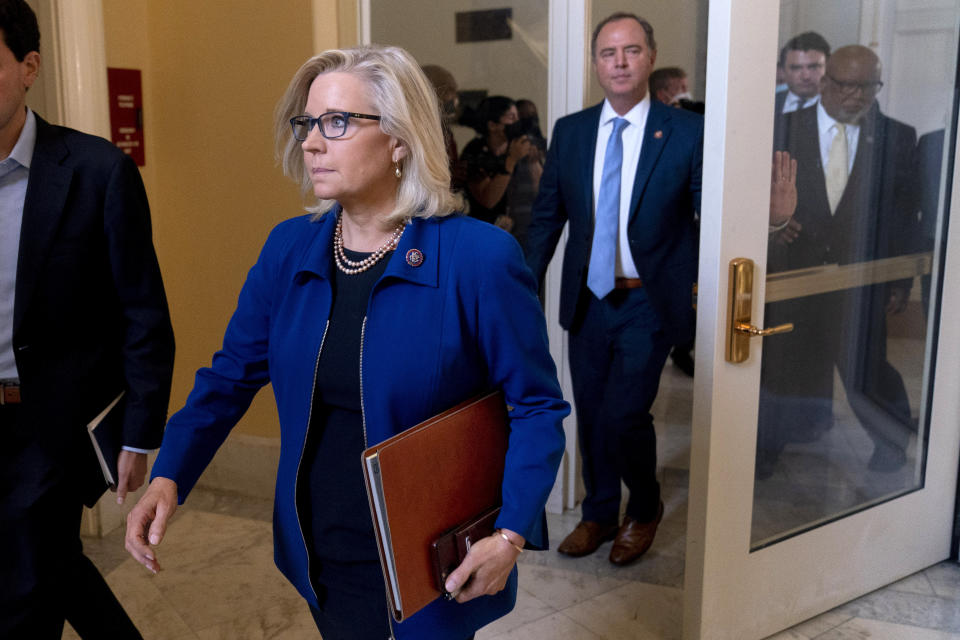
(836, 20)
(516, 68)
(918, 46)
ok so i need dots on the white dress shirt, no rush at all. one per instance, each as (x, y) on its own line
(827, 127)
(794, 102)
(632, 137)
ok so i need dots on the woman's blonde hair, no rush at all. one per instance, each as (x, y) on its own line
(409, 111)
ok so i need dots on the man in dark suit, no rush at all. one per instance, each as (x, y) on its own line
(626, 176)
(857, 202)
(83, 317)
(802, 62)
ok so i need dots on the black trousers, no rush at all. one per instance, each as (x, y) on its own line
(846, 330)
(617, 353)
(335, 626)
(44, 576)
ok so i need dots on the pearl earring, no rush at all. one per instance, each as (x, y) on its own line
(396, 170)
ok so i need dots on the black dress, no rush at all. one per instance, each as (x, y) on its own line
(344, 561)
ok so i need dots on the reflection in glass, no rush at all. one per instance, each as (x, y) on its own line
(489, 66)
(842, 413)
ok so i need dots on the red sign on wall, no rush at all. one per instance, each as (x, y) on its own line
(126, 112)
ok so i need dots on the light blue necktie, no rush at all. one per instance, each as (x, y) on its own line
(603, 255)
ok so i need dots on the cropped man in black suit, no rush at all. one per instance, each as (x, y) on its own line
(83, 317)
(857, 202)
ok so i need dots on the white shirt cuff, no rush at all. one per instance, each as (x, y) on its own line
(135, 450)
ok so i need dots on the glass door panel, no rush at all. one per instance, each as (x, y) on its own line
(824, 463)
(842, 416)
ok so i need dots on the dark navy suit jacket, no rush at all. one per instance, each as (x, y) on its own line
(662, 230)
(90, 315)
(877, 213)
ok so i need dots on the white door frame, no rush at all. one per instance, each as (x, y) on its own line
(730, 592)
(567, 87)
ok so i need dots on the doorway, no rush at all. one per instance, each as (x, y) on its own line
(707, 429)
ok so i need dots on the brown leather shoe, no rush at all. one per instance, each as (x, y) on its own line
(585, 539)
(633, 539)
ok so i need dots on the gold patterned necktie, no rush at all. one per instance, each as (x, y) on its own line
(837, 162)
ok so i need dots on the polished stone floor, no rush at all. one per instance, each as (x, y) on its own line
(219, 580)
(819, 476)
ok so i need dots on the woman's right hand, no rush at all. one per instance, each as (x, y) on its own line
(147, 522)
(783, 188)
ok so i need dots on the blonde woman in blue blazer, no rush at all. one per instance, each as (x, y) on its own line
(376, 311)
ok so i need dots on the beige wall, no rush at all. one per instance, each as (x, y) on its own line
(127, 47)
(212, 73)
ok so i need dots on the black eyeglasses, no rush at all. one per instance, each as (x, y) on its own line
(333, 124)
(851, 87)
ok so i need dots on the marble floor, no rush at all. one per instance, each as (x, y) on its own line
(821, 476)
(219, 580)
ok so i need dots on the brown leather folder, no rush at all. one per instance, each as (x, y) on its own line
(425, 482)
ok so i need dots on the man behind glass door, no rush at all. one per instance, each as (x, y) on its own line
(857, 202)
(626, 176)
(802, 63)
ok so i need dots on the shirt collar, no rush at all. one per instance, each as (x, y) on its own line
(23, 150)
(824, 121)
(636, 116)
(800, 103)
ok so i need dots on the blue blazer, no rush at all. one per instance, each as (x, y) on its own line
(662, 230)
(464, 321)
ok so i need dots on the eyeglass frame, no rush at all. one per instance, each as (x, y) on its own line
(848, 88)
(316, 122)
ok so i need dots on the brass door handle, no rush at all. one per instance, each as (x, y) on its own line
(739, 313)
(756, 332)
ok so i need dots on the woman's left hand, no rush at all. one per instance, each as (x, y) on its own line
(486, 568)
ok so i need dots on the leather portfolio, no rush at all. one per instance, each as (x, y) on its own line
(427, 481)
(106, 435)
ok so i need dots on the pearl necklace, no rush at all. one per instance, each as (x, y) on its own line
(351, 267)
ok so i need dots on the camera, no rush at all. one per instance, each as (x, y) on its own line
(521, 128)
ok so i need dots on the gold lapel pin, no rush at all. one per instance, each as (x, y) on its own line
(658, 134)
(414, 257)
